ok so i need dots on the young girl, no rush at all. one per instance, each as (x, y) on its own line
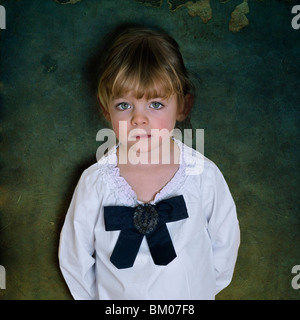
(141, 225)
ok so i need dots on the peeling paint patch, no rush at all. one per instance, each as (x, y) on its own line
(67, 1)
(203, 9)
(238, 17)
(200, 8)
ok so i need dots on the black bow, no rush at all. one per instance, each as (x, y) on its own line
(144, 220)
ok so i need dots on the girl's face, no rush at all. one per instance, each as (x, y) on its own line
(134, 120)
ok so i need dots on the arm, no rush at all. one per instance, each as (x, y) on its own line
(223, 227)
(76, 246)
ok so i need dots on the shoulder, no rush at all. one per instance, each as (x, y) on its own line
(197, 165)
(202, 174)
(100, 179)
(90, 175)
(94, 178)
(99, 170)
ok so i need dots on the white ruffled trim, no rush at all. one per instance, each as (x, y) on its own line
(110, 173)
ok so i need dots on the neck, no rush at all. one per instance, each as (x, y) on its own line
(164, 154)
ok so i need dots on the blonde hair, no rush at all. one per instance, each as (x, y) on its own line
(146, 62)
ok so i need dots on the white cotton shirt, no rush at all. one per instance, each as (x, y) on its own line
(206, 243)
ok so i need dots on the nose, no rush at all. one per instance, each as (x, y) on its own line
(139, 118)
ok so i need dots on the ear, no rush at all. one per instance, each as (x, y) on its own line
(104, 111)
(186, 107)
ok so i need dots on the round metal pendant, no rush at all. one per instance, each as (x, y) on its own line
(145, 218)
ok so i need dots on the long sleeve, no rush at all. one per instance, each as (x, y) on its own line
(76, 246)
(223, 227)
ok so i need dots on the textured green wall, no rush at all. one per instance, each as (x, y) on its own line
(247, 101)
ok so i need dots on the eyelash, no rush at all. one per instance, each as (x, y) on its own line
(128, 105)
(161, 105)
(122, 103)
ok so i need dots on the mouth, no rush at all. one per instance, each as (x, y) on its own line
(144, 136)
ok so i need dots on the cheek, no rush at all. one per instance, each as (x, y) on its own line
(121, 129)
(166, 123)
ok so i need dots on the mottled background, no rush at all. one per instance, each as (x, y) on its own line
(243, 57)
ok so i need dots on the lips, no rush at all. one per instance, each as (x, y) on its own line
(144, 136)
(138, 135)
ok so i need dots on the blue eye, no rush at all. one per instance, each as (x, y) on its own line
(156, 105)
(123, 106)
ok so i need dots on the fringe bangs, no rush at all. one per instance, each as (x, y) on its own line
(145, 64)
(144, 83)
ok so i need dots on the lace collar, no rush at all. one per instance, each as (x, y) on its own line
(124, 192)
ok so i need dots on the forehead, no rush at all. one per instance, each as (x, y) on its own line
(148, 82)
(143, 91)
